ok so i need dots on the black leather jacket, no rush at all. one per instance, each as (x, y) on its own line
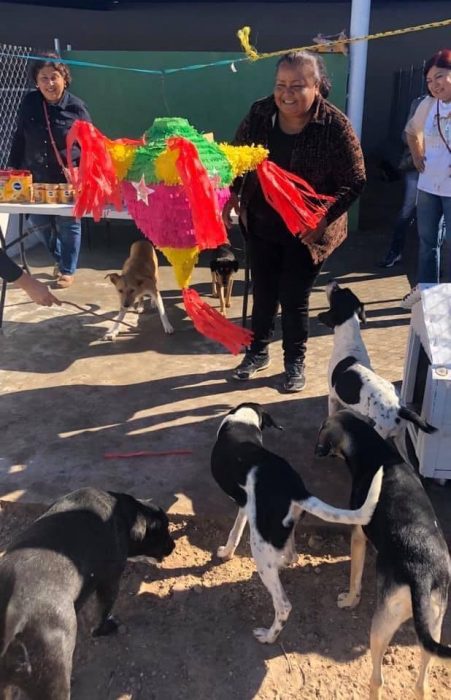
(31, 148)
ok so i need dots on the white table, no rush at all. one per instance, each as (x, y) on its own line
(21, 210)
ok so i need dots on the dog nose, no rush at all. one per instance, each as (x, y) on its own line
(321, 450)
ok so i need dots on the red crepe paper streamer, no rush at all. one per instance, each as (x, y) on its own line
(208, 225)
(145, 453)
(210, 323)
(96, 184)
(300, 207)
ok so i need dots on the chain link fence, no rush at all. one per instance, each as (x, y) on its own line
(13, 86)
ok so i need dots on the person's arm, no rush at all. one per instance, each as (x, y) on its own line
(36, 290)
(416, 148)
(348, 169)
(414, 132)
(233, 203)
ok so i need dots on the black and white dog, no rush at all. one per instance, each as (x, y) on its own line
(223, 266)
(272, 497)
(78, 547)
(413, 565)
(352, 382)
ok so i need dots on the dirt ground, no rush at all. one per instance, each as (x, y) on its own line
(186, 626)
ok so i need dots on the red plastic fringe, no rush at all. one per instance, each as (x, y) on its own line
(96, 184)
(210, 323)
(300, 207)
(208, 225)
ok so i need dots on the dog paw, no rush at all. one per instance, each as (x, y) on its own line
(375, 691)
(168, 328)
(109, 336)
(290, 558)
(348, 600)
(264, 636)
(224, 552)
(109, 626)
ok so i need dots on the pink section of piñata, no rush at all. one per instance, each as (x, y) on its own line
(166, 219)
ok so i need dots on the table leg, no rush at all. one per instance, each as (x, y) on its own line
(22, 237)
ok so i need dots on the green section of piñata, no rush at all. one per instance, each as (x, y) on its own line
(210, 155)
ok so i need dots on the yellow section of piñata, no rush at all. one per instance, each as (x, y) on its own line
(244, 158)
(122, 155)
(183, 261)
(165, 167)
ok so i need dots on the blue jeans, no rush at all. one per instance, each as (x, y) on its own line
(62, 237)
(430, 209)
(406, 214)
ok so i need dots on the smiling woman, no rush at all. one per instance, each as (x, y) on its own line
(429, 138)
(39, 145)
(309, 137)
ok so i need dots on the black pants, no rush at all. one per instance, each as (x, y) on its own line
(281, 274)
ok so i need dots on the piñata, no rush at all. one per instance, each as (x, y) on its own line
(174, 183)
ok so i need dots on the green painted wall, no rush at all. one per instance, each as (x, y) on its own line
(212, 99)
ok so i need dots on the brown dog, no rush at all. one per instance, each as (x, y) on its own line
(139, 278)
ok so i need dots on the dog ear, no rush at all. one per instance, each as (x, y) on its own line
(139, 528)
(361, 314)
(268, 421)
(113, 277)
(213, 265)
(326, 318)
(235, 266)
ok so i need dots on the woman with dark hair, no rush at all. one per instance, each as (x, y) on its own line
(308, 136)
(429, 139)
(39, 145)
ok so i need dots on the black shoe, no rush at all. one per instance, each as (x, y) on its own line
(294, 377)
(249, 367)
(391, 259)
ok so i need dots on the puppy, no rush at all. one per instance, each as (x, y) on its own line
(352, 382)
(78, 547)
(272, 497)
(413, 566)
(139, 278)
(223, 266)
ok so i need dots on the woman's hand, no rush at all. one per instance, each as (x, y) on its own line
(232, 203)
(315, 234)
(37, 291)
(417, 150)
(418, 161)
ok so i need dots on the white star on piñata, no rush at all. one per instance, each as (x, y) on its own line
(142, 191)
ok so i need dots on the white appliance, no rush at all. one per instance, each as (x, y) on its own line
(426, 385)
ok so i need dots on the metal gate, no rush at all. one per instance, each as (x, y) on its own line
(13, 86)
(408, 83)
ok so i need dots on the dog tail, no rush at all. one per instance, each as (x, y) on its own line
(421, 596)
(330, 514)
(417, 420)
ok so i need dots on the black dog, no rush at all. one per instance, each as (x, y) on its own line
(272, 496)
(78, 547)
(223, 266)
(413, 564)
